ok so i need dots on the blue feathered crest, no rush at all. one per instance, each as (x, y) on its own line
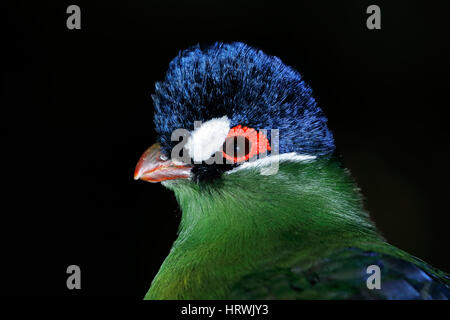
(249, 87)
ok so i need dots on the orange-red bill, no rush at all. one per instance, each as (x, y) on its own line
(152, 167)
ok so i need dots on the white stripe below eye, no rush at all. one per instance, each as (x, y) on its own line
(269, 160)
(208, 138)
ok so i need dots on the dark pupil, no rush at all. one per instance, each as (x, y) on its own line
(236, 146)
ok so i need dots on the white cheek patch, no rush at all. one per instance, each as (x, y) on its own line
(207, 139)
(273, 161)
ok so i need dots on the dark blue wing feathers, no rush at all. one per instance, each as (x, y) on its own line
(343, 275)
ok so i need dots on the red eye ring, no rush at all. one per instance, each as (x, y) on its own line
(258, 142)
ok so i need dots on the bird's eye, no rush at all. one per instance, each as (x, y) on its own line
(243, 143)
(236, 146)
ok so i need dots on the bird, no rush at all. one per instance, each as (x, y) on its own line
(268, 209)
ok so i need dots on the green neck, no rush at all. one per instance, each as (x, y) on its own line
(248, 221)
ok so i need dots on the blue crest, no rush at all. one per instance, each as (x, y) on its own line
(251, 88)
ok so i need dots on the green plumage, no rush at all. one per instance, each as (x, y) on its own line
(256, 236)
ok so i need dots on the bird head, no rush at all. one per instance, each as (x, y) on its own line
(230, 107)
(248, 155)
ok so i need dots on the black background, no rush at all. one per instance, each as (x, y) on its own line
(76, 115)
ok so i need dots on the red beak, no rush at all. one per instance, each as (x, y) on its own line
(152, 168)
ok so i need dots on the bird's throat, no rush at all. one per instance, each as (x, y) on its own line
(248, 222)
